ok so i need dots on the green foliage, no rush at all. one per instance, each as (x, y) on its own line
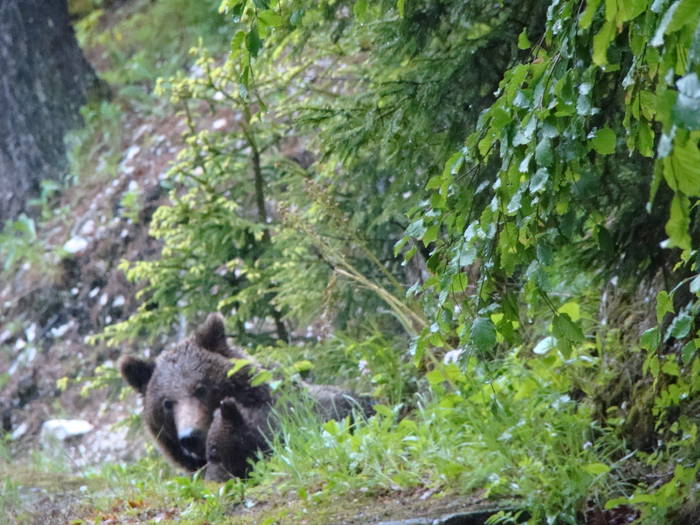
(563, 98)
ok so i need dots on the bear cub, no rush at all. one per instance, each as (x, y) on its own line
(234, 440)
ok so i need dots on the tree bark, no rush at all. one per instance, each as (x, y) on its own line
(44, 79)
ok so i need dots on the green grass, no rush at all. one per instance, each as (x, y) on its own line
(514, 432)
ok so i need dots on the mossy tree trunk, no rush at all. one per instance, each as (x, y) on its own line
(44, 79)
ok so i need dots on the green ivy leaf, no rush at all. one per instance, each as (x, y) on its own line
(688, 352)
(671, 368)
(431, 234)
(650, 339)
(680, 326)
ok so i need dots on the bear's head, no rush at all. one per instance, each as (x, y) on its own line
(184, 386)
(235, 438)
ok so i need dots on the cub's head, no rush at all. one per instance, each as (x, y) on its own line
(234, 441)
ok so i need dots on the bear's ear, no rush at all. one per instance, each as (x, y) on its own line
(137, 372)
(212, 335)
(230, 411)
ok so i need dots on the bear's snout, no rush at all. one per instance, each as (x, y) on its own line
(192, 423)
(192, 441)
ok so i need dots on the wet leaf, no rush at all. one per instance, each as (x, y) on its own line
(523, 42)
(686, 111)
(545, 345)
(658, 38)
(539, 180)
(604, 141)
(664, 305)
(680, 326)
(543, 153)
(483, 334)
(596, 468)
(253, 42)
(650, 339)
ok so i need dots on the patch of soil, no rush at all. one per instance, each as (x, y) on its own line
(363, 508)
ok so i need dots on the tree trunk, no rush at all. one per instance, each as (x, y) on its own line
(44, 79)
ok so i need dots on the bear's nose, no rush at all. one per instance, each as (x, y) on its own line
(192, 440)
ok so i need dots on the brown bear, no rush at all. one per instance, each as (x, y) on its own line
(235, 438)
(233, 441)
(184, 386)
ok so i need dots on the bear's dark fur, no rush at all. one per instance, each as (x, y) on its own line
(233, 441)
(184, 386)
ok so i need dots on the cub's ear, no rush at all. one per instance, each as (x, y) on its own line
(230, 411)
(137, 372)
(212, 335)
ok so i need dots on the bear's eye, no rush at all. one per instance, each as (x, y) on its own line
(200, 391)
(168, 404)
